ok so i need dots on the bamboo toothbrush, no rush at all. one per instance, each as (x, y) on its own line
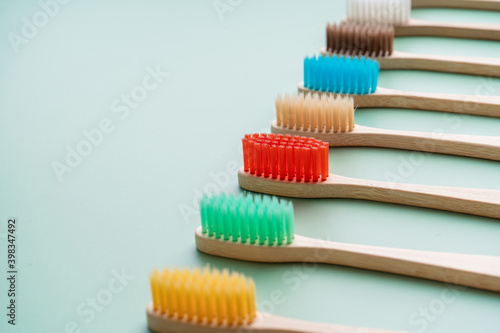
(212, 301)
(298, 167)
(262, 229)
(359, 78)
(331, 120)
(397, 13)
(376, 41)
(464, 4)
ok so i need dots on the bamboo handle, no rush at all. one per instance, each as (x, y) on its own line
(438, 63)
(485, 147)
(464, 104)
(388, 98)
(452, 30)
(263, 323)
(464, 4)
(482, 272)
(462, 200)
(268, 323)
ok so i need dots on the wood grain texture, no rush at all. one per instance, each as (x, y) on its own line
(485, 147)
(482, 272)
(464, 4)
(461, 200)
(263, 323)
(390, 98)
(450, 30)
(438, 63)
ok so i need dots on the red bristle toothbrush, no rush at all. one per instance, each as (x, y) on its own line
(298, 167)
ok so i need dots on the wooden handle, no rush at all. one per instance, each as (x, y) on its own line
(461, 200)
(485, 147)
(388, 98)
(464, 4)
(482, 272)
(452, 30)
(438, 63)
(263, 323)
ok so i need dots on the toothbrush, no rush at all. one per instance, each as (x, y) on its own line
(397, 13)
(464, 4)
(359, 77)
(298, 167)
(376, 41)
(259, 229)
(331, 120)
(211, 301)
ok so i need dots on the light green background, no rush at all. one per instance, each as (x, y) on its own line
(121, 208)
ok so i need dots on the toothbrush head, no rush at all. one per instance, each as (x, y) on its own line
(293, 158)
(360, 39)
(313, 113)
(341, 74)
(247, 219)
(393, 12)
(205, 298)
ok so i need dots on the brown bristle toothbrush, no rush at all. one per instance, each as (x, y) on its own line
(376, 41)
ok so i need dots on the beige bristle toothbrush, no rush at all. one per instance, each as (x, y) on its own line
(397, 13)
(261, 229)
(358, 76)
(461, 4)
(331, 119)
(376, 41)
(298, 167)
(213, 301)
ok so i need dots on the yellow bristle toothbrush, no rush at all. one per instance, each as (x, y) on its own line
(331, 119)
(213, 301)
(261, 229)
(298, 167)
(376, 41)
(397, 13)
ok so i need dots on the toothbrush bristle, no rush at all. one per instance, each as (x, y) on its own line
(341, 75)
(356, 39)
(314, 113)
(394, 12)
(292, 158)
(204, 297)
(248, 219)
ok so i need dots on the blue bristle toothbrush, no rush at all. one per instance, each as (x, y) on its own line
(358, 76)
